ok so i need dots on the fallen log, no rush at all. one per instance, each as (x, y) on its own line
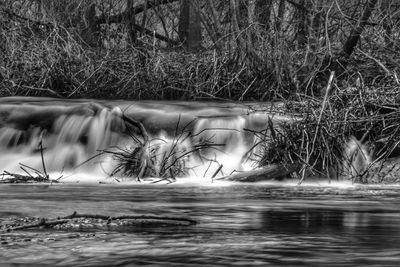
(82, 222)
(265, 173)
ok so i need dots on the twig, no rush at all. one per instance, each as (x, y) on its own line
(41, 154)
(328, 88)
(380, 64)
(217, 171)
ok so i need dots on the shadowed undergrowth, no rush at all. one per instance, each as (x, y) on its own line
(46, 59)
(320, 138)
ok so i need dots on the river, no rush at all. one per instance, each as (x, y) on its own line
(238, 224)
(243, 224)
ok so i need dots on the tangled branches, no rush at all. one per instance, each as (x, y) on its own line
(318, 140)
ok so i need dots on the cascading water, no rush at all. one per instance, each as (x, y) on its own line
(202, 139)
(231, 140)
(68, 141)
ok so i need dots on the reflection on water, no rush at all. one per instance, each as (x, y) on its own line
(238, 225)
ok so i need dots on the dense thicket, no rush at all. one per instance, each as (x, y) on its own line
(193, 49)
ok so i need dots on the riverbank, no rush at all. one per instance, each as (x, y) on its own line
(46, 51)
(343, 80)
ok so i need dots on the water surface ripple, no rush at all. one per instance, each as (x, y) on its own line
(238, 225)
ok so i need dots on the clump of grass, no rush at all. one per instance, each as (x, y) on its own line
(278, 144)
(163, 158)
(318, 140)
(130, 162)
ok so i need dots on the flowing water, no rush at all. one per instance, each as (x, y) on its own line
(201, 137)
(238, 224)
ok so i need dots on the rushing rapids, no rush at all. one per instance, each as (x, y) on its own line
(202, 137)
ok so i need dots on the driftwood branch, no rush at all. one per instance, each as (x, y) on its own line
(269, 172)
(131, 219)
(128, 217)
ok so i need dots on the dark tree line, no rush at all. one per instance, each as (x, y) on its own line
(292, 43)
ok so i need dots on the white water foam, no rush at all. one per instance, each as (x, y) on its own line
(72, 140)
(78, 134)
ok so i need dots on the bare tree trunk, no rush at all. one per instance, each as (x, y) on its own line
(211, 23)
(240, 43)
(281, 16)
(263, 13)
(89, 29)
(315, 29)
(251, 21)
(235, 22)
(303, 17)
(303, 39)
(144, 17)
(41, 9)
(251, 11)
(130, 22)
(215, 19)
(355, 34)
(235, 15)
(190, 25)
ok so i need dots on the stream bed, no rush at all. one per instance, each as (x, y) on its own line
(238, 224)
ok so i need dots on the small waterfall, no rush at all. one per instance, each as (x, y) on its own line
(70, 140)
(228, 144)
(10, 137)
(197, 142)
(172, 154)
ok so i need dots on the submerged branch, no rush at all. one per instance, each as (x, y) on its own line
(125, 217)
(71, 221)
(270, 172)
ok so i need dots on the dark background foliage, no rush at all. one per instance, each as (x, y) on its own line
(196, 49)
